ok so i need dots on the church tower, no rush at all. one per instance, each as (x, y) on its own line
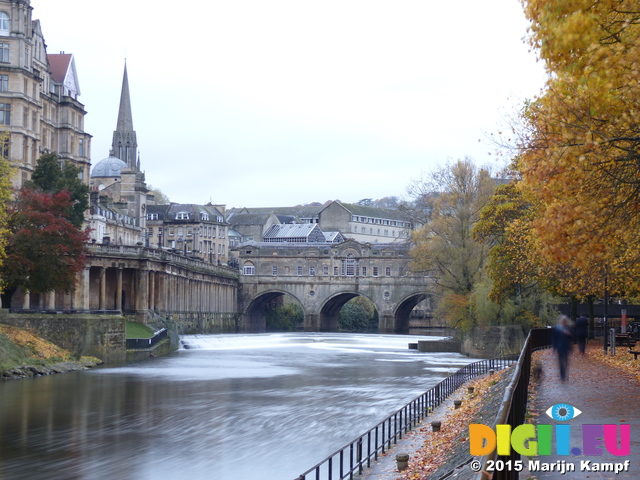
(125, 144)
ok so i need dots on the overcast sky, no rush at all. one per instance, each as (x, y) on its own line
(275, 103)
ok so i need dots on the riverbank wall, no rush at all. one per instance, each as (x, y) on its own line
(493, 342)
(100, 336)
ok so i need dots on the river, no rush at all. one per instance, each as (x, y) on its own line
(223, 407)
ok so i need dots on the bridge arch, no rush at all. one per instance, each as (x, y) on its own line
(255, 313)
(404, 308)
(332, 305)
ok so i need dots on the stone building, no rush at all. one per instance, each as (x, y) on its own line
(361, 223)
(39, 107)
(252, 226)
(366, 224)
(194, 230)
(119, 194)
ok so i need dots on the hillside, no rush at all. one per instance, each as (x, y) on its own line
(23, 354)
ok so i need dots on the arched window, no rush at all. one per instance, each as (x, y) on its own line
(248, 269)
(4, 23)
(349, 265)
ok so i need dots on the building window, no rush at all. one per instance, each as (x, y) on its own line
(364, 271)
(182, 216)
(325, 270)
(4, 23)
(248, 269)
(81, 147)
(4, 52)
(312, 271)
(5, 114)
(335, 271)
(387, 271)
(349, 265)
(375, 271)
(4, 83)
(274, 271)
(299, 271)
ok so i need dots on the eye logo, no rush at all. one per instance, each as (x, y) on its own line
(562, 412)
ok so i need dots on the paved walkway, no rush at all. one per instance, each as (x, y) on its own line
(605, 395)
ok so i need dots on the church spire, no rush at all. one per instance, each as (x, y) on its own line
(125, 145)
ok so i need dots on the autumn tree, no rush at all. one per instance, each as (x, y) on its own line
(160, 197)
(45, 250)
(5, 195)
(53, 176)
(579, 143)
(444, 248)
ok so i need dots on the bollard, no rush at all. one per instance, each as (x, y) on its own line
(435, 426)
(403, 461)
(470, 390)
(457, 403)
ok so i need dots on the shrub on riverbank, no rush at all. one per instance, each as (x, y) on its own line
(21, 348)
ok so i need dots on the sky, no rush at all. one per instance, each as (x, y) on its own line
(288, 102)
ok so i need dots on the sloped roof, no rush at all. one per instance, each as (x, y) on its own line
(334, 237)
(376, 212)
(59, 64)
(249, 218)
(159, 209)
(303, 230)
(299, 211)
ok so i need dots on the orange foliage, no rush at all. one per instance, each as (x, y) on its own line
(580, 148)
(34, 345)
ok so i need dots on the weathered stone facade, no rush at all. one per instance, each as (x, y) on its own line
(39, 105)
(322, 278)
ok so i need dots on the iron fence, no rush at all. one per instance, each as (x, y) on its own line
(144, 343)
(514, 403)
(357, 455)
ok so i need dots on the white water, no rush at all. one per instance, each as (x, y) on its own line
(224, 407)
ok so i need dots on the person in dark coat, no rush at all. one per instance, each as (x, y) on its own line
(582, 329)
(562, 338)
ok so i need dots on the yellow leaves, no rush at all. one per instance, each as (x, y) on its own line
(36, 347)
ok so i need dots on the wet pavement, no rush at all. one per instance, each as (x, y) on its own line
(604, 395)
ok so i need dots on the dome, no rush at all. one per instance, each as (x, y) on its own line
(108, 167)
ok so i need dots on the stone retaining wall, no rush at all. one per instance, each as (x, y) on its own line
(101, 336)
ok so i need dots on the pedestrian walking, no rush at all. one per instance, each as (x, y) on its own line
(562, 344)
(582, 329)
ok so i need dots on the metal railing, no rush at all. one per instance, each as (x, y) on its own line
(514, 403)
(144, 343)
(357, 455)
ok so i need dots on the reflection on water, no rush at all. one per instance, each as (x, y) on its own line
(223, 407)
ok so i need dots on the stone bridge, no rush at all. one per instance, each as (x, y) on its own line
(323, 277)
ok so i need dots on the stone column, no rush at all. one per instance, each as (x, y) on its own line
(26, 300)
(51, 300)
(152, 290)
(81, 293)
(118, 305)
(142, 297)
(102, 295)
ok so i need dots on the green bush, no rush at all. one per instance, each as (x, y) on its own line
(358, 314)
(284, 318)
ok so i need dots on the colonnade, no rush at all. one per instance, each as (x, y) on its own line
(105, 286)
